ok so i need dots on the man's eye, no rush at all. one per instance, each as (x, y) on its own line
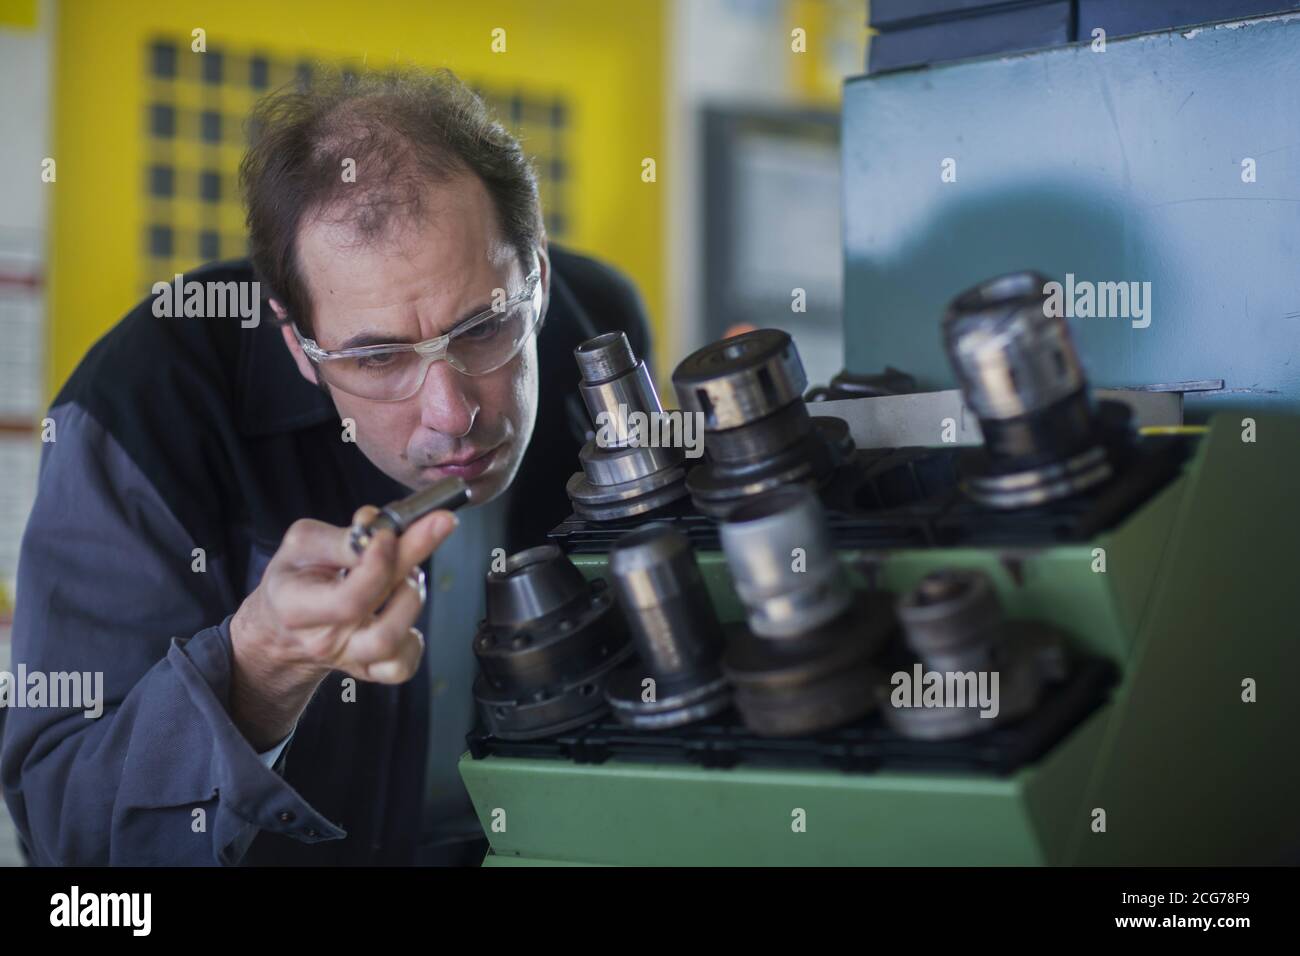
(484, 330)
(375, 363)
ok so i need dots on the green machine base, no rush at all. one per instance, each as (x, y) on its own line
(1191, 761)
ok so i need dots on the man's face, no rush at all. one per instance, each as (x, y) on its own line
(423, 279)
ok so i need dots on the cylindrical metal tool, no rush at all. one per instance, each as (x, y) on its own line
(804, 664)
(740, 380)
(1010, 357)
(625, 471)
(1019, 372)
(953, 622)
(547, 646)
(677, 677)
(951, 619)
(758, 433)
(613, 379)
(784, 568)
(397, 516)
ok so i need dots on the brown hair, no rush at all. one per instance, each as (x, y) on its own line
(403, 128)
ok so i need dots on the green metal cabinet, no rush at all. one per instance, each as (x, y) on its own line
(1198, 595)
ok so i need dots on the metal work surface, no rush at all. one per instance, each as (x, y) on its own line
(1115, 166)
(905, 421)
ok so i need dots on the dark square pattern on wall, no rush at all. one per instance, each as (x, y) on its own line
(195, 130)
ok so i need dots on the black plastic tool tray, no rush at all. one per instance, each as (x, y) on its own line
(909, 498)
(863, 747)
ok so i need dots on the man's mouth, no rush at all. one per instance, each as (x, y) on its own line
(467, 467)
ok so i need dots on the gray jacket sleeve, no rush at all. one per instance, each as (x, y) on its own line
(107, 588)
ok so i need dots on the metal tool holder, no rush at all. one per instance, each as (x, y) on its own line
(953, 623)
(549, 641)
(1018, 369)
(621, 476)
(758, 432)
(676, 677)
(804, 663)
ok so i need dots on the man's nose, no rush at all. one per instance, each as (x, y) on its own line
(447, 401)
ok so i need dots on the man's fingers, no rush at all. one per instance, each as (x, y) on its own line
(364, 513)
(308, 599)
(401, 664)
(381, 639)
(310, 543)
(329, 599)
(422, 537)
(402, 667)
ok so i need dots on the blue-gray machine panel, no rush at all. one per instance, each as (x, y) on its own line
(1122, 165)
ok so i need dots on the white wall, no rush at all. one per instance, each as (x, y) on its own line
(24, 142)
(25, 78)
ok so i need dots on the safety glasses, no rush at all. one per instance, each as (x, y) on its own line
(478, 346)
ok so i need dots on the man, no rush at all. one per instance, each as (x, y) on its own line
(189, 537)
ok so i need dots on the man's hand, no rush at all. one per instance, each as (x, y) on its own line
(308, 617)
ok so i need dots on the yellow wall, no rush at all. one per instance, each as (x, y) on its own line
(837, 37)
(605, 58)
(18, 14)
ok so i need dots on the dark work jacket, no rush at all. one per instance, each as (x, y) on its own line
(179, 434)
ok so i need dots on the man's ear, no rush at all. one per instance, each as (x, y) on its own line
(305, 368)
(544, 263)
